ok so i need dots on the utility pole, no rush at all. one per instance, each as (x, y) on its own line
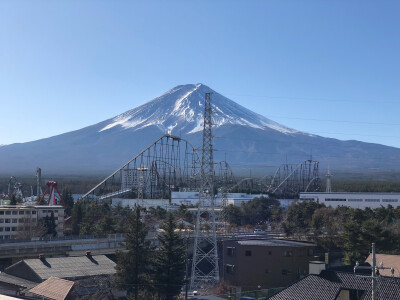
(373, 276)
(205, 270)
(328, 182)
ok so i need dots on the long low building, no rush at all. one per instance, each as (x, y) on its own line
(192, 198)
(354, 200)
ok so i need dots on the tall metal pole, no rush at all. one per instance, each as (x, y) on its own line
(373, 273)
(328, 182)
(205, 270)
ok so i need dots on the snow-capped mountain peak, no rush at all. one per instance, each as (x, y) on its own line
(182, 107)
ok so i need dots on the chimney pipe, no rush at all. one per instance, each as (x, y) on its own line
(88, 254)
(42, 257)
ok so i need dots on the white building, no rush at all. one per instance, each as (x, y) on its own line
(146, 203)
(192, 198)
(18, 220)
(354, 200)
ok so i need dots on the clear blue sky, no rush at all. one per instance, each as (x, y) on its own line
(326, 67)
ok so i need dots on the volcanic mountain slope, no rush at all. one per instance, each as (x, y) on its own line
(248, 139)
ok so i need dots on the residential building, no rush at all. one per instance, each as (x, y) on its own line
(353, 200)
(336, 285)
(90, 274)
(12, 285)
(259, 264)
(70, 268)
(18, 221)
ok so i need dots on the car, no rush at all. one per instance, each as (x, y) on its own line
(259, 231)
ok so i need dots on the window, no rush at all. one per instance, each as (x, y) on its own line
(2, 212)
(7, 228)
(355, 200)
(15, 220)
(8, 212)
(247, 253)
(21, 212)
(1, 220)
(33, 212)
(8, 220)
(288, 253)
(1, 229)
(372, 200)
(13, 228)
(56, 211)
(390, 200)
(287, 272)
(335, 199)
(230, 251)
(14, 212)
(229, 269)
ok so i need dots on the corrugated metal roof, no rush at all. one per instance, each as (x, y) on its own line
(53, 288)
(275, 243)
(4, 277)
(71, 267)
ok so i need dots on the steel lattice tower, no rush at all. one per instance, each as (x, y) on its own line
(205, 271)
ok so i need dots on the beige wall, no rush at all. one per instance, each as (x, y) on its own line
(18, 220)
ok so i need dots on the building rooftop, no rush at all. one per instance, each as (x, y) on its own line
(53, 288)
(4, 277)
(32, 206)
(62, 267)
(389, 261)
(275, 243)
(329, 284)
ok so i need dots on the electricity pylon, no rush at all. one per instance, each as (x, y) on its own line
(205, 270)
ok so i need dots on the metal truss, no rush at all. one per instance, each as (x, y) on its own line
(290, 179)
(168, 163)
(205, 269)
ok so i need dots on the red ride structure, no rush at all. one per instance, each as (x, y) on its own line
(51, 190)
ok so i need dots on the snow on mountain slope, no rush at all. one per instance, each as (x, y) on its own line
(182, 107)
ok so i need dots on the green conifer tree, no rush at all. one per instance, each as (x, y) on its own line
(169, 262)
(134, 267)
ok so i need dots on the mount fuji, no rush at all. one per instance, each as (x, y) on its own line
(248, 140)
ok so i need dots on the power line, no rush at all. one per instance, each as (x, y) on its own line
(337, 121)
(314, 99)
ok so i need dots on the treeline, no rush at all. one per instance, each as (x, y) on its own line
(90, 217)
(352, 230)
(259, 211)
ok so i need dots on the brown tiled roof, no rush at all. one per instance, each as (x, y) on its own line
(53, 288)
(390, 261)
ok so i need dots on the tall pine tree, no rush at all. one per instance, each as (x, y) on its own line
(169, 262)
(134, 267)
